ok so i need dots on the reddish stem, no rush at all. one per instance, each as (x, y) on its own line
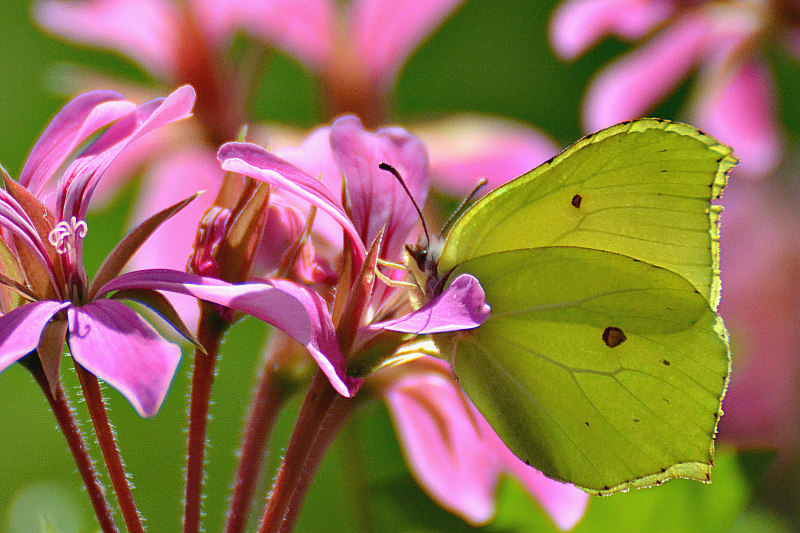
(108, 446)
(267, 402)
(65, 417)
(323, 414)
(210, 329)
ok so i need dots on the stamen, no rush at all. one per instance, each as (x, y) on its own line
(65, 235)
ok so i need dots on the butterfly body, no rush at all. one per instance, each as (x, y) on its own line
(603, 362)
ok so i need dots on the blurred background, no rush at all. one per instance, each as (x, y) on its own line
(492, 57)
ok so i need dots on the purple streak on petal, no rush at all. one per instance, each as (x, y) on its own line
(377, 201)
(465, 148)
(633, 84)
(80, 179)
(457, 456)
(80, 118)
(461, 306)
(253, 161)
(21, 328)
(115, 344)
(386, 33)
(146, 30)
(740, 111)
(297, 311)
(578, 24)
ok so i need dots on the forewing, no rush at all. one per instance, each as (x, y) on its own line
(596, 368)
(641, 189)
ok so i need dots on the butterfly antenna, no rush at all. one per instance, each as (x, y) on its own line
(462, 206)
(389, 168)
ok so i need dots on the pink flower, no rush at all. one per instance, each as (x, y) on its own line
(104, 335)
(451, 449)
(454, 452)
(734, 98)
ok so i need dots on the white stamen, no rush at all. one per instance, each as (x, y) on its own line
(64, 236)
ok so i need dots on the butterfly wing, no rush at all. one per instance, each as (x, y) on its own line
(603, 362)
(594, 367)
(641, 189)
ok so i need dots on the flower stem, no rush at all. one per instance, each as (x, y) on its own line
(210, 329)
(65, 417)
(323, 414)
(267, 402)
(108, 446)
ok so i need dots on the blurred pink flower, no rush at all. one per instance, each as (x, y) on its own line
(356, 54)
(734, 95)
(760, 267)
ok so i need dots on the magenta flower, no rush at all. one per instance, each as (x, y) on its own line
(461, 465)
(104, 335)
(734, 98)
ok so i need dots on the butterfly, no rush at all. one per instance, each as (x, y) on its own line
(603, 362)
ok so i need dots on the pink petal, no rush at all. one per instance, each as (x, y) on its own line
(458, 457)
(578, 24)
(461, 306)
(21, 328)
(630, 86)
(80, 118)
(385, 33)
(739, 110)
(115, 344)
(146, 30)
(465, 148)
(377, 201)
(444, 447)
(81, 177)
(297, 311)
(304, 29)
(315, 158)
(566, 504)
(176, 177)
(253, 161)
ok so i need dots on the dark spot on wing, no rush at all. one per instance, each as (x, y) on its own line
(666, 363)
(587, 423)
(613, 336)
(636, 420)
(576, 200)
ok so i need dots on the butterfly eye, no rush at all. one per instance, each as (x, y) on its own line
(421, 257)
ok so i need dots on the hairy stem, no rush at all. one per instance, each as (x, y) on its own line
(210, 330)
(266, 406)
(108, 446)
(323, 414)
(65, 417)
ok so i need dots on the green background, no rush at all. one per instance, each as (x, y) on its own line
(491, 56)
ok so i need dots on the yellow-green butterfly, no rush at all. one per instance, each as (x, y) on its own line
(603, 362)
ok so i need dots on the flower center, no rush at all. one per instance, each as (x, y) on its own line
(65, 235)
